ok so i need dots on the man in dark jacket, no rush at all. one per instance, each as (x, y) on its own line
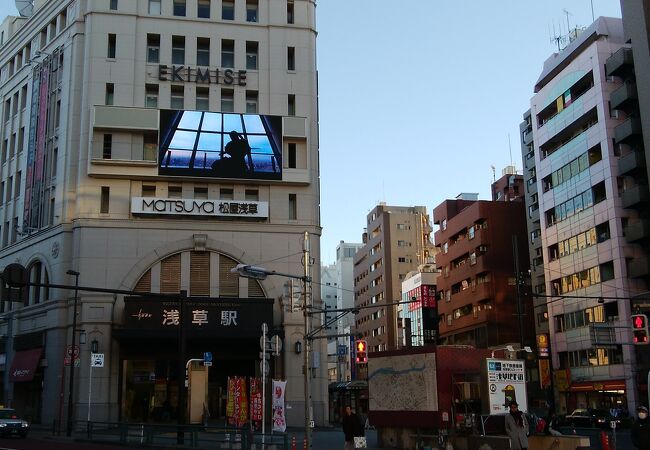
(351, 427)
(641, 429)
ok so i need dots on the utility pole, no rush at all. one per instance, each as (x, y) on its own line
(518, 280)
(72, 356)
(180, 436)
(308, 341)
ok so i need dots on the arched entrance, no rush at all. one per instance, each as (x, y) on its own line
(221, 314)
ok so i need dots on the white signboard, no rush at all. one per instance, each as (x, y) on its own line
(96, 360)
(194, 207)
(506, 382)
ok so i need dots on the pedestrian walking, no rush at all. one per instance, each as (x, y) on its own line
(517, 428)
(641, 429)
(352, 428)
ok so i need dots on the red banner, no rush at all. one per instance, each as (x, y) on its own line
(256, 401)
(237, 403)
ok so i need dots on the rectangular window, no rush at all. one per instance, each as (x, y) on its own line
(179, 8)
(291, 105)
(203, 9)
(55, 160)
(23, 97)
(21, 138)
(107, 148)
(251, 55)
(292, 155)
(201, 193)
(251, 10)
(150, 147)
(154, 7)
(293, 207)
(228, 10)
(252, 195)
(251, 102)
(226, 194)
(148, 190)
(151, 96)
(291, 58)
(227, 53)
(202, 99)
(153, 48)
(110, 91)
(175, 192)
(227, 100)
(105, 199)
(177, 97)
(17, 186)
(10, 184)
(203, 51)
(178, 49)
(113, 5)
(290, 17)
(111, 46)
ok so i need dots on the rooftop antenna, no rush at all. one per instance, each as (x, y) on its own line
(494, 173)
(593, 18)
(568, 26)
(556, 38)
(510, 150)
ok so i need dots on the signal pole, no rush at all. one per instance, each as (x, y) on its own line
(308, 342)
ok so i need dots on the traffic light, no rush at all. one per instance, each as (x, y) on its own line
(640, 329)
(361, 350)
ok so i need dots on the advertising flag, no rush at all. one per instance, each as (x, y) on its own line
(279, 418)
(256, 402)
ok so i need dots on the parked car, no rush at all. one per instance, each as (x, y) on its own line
(11, 424)
(590, 418)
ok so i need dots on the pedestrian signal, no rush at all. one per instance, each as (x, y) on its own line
(361, 350)
(640, 329)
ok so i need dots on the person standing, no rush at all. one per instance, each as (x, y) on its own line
(351, 428)
(517, 428)
(641, 429)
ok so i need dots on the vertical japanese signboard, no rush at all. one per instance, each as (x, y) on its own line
(256, 402)
(506, 382)
(237, 403)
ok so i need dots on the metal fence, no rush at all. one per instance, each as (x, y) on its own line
(181, 436)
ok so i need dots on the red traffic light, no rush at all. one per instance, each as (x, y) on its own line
(639, 322)
(640, 334)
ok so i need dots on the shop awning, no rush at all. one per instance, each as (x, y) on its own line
(609, 385)
(340, 386)
(24, 365)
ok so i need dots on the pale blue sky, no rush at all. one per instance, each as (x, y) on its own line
(417, 97)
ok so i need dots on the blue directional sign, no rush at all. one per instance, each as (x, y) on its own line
(343, 350)
(207, 357)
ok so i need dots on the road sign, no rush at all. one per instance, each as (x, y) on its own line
(265, 355)
(207, 357)
(264, 367)
(265, 341)
(96, 360)
(68, 350)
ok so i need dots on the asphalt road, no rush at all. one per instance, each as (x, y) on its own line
(37, 443)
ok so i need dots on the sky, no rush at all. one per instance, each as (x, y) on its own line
(419, 98)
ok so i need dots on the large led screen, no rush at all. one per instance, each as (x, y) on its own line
(220, 145)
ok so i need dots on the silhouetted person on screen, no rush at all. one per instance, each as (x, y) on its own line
(239, 160)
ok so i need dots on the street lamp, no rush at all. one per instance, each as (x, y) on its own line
(260, 273)
(512, 349)
(72, 357)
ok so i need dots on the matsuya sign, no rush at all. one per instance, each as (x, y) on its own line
(193, 207)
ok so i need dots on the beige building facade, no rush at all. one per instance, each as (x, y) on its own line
(396, 241)
(151, 146)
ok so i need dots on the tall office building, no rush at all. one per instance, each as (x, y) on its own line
(632, 99)
(152, 146)
(478, 301)
(396, 241)
(586, 203)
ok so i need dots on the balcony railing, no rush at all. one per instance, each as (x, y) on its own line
(632, 162)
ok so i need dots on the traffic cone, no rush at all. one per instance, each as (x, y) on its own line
(604, 441)
(293, 443)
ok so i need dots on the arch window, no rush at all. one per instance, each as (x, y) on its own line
(37, 274)
(203, 274)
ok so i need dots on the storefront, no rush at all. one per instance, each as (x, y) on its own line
(347, 393)
(149, 347)
(608, 395)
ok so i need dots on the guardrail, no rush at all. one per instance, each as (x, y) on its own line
(185, 436)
